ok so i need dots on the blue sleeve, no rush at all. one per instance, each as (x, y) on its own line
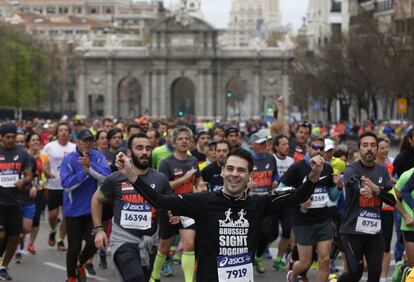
(70, 176)
(101, 165)
(334, 193)
(406, 191)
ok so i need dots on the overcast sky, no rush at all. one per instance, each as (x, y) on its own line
(217, 11)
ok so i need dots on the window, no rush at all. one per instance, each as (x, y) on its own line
(108, 10)
(63, 10)
(51, 10)
(77, 10)
(92, 10)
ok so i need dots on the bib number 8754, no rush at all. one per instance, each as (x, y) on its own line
(237, 273)
(368, 223)
(135, 217)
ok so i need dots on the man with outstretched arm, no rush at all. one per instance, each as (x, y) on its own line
(228, 221)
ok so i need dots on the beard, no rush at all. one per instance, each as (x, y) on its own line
(138, 163)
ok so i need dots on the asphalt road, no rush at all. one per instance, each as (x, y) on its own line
(49, 265)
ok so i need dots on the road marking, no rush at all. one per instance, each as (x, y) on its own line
(57, 266)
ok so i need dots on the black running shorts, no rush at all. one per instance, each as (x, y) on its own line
(168, 230)
(54, 199)
(10, 220)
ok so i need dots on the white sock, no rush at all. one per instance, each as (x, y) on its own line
(383, 279)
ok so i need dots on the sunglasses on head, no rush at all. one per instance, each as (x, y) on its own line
(317, 148)
(305, 124)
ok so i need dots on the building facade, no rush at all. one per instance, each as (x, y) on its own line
(182, 72)
(326, 20)
(248, 16)
(122, 13)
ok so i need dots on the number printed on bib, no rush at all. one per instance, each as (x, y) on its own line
(9, 180)
(369, 221)
(319, 198)
(238, 268)
(136, 216)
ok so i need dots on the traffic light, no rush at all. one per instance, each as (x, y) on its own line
(229, 94)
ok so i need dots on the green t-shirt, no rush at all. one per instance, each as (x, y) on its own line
(399, 186)
(159, 154)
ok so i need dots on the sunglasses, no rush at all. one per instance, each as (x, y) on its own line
(305, 124)
(317, 148)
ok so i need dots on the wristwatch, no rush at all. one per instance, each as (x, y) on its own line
(96, 229)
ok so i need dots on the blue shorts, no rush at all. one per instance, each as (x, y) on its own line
(28, 211)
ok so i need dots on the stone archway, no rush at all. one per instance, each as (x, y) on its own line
(96, 105)
(129, 97)
(236, 93)
(182, 97)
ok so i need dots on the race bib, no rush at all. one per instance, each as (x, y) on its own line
(186, 221)
(369, 221)
(136, 216)
(319, 198)
(9, 180)
(238, 268)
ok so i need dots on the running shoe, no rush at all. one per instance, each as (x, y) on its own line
(102, 260)
(71, 279)
(61, 246)
(31, 249)
(52, 239)
(90, 269)
(259, 264)
(290, 278)
(166, 269)
(18, 258)
(154, 280)
(332, 277)
(279, 265)
(81, 273)
(4, 275)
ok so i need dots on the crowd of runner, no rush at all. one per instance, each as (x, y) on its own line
(209, 196)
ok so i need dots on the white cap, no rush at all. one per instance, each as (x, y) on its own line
(329, 145)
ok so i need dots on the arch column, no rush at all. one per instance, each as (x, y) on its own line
(108, 100)
(209, 95)
(154, 95)
(145, 107)
(81, 100)
(256, 93)
(286, 86)
(163, 94)
(200, 94)
(220, 97)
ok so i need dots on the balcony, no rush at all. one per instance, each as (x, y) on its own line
(383, 6)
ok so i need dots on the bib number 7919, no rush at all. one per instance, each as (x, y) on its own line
(237, 268)
(236, 273)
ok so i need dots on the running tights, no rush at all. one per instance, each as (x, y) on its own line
(78, 229)
(355, 248)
